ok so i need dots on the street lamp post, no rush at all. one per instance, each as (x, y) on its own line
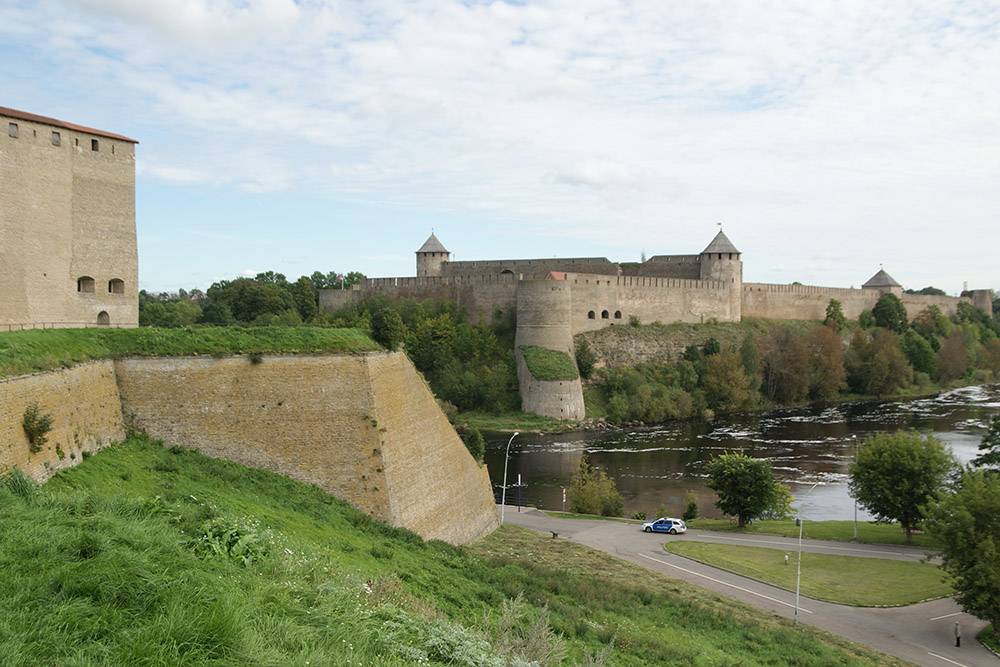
(506, 457)
(855, 439)
(798, 566)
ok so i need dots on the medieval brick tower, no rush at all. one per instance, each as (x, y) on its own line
(430, 257)
(67, 225)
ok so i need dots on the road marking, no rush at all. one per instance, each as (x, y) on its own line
(725, 583)
(792, 546)
(957, 613)
(941, 657)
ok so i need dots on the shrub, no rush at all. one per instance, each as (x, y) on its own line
(639, 516)
(255, 358)
(585, 359)
(474, 442)
(591, 491)
(18, 483)
(36, 427)
(388, 329)
(242, 541)
(691, 511)
(633, 321)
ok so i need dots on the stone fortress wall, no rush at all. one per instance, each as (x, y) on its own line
(67, 214)
(594, 293)
(365, 428)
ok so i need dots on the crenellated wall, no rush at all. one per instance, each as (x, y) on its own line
(808, 302)
(365, 428)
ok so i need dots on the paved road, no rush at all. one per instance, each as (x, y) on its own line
(921, 633)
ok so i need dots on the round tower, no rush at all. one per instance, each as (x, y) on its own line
(431, 255)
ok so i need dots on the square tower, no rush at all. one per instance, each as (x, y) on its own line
(67, 225)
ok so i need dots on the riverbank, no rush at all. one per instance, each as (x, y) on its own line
(596, 420)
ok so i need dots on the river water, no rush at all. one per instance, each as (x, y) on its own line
(656, 467)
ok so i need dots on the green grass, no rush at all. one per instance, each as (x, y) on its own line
(838, 531)
(990, 638)
(507, 422)
(863, 582)
(31, 351)
(549, 365)
(111, 562)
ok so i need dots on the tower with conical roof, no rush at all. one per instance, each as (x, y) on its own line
(721, 261)
(431, 255)
(883, 282)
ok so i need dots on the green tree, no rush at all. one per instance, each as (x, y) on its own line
(726, 385)
(931, 324)
(306, 297)
(388, 329)
(827, 376)
(835, 316)
(919, 353)
(967, 524)
(927, 291)
(746, 486)
(895, 476)
(750, 356)
(786, 367)
(591, 491)
(585, 359)
(876, 364)
(989, 449)
(866, 319)
(889, 312)
(953, 357)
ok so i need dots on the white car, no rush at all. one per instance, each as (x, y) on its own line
(665, 525)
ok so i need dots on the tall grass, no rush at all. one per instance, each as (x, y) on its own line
(546, 364)
(30, 351)
(134, 557)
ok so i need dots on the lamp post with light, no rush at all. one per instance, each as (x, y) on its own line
(800, 522)
(506, 457)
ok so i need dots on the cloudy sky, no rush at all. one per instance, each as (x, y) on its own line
(296, 136)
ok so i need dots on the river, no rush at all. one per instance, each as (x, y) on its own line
(809, 449)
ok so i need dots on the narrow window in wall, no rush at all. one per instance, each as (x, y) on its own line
(56, 139)
(591, 315)
(605, 315)
(116, 286)
(12, 130)
(94, 145)
(618, 314)
(85, 284)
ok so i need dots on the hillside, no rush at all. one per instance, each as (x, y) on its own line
(41, 350)
(147, 555)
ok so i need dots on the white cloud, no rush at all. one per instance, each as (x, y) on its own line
(867, 130)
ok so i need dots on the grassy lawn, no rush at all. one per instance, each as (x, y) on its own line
(990, 638)
(864, 582)
(592, 517)
(546, 364)
(513, 421)
(30, 351)
(148, 555)
(838, 531)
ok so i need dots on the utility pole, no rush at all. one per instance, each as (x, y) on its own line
(506, 458)
(855, 439)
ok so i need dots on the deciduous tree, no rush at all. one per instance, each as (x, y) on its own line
(889, 312)
(895, 476)
(835, 316)
(591, 491)
(827, 376)
(967, 524)
(989, 448)
(746, 487)
(726, 385)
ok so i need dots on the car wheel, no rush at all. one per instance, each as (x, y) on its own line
(673, 531)
(648, 529)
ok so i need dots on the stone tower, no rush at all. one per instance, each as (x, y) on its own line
(431, 256)
(884, 283)
(722, 261)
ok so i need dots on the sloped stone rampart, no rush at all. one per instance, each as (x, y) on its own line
(363, 427)
(86, 415)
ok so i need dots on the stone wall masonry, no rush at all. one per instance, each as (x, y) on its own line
(559, 399)
(809, 302)
(86, 415)
(530, 267)
(362, 427)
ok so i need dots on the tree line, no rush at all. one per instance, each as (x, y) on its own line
(879, 355)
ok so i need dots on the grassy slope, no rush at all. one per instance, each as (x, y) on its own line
(546, 364)
(512, 421)
(30, 351)
(100, 567)
(839, 531)
(863, 582)
(990, 638)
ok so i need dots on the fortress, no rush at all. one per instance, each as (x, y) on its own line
(555, 299)
(67, 225)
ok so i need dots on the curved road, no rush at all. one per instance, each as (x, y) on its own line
(920, 633)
